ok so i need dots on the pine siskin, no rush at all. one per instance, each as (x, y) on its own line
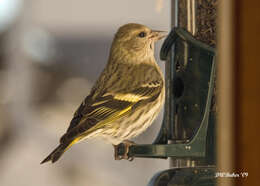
(126, 98)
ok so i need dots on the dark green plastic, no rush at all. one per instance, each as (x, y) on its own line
(195, 176)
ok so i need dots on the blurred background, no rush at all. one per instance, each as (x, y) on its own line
(51, 53)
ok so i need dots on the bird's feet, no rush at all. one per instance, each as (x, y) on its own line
(123, 148)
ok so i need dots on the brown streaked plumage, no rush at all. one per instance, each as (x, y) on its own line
(127, 96)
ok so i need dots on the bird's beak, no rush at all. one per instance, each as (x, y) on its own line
(157, 35)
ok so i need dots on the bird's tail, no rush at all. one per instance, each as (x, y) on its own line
(57, 153)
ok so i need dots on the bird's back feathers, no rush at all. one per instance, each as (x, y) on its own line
(113, 100)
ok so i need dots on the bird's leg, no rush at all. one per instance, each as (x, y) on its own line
(126, 144)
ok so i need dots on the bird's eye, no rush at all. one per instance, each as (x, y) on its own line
(142, 34)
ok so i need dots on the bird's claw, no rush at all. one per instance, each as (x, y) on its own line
(125, 145)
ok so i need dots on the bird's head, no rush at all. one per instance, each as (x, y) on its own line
(135, 41)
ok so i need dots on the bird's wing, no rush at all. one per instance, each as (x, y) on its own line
(108, 107)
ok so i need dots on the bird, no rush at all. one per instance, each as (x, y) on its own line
(127, 96)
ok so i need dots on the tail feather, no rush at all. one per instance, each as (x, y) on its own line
(56, 154)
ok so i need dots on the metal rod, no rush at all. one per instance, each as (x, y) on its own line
(191, 18)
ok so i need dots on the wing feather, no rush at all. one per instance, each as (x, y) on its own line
(95, 114)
